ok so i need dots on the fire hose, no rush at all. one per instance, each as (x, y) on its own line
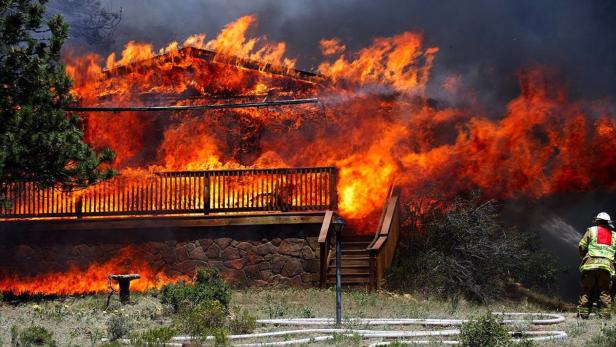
(540, 319)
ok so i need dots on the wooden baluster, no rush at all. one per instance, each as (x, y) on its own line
(242, 180)
(206, 193)
(195, 193)
(184, 193)
(177, 186)
(233, 187)
(262, 192)
(218, 193)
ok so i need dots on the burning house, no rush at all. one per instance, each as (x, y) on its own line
(247, 189)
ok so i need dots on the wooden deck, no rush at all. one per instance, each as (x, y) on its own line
(163, 222)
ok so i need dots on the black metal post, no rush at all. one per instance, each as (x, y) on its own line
(338, 279)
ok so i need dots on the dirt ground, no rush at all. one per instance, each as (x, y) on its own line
(82, 321)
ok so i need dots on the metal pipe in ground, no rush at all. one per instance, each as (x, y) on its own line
(338, 279)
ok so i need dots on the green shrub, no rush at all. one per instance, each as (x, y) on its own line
(607, 338)
(275, 306)
(36, 336)
(221, 337)
(117, 327)
(202, 319)
(14, 335)
(486, 331)
(111, 344)
(461, 248)
(154, 337)
(307, 312)
(525, 343)
(343, 339)
(242, 321)
(208, 286)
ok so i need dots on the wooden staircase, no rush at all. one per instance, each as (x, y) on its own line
(355, 264)
(364, 260)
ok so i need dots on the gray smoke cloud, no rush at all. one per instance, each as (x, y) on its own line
(483, 41)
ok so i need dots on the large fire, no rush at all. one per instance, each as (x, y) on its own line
(93, 279)
(375, 122)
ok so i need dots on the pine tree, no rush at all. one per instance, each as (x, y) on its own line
(39, 141)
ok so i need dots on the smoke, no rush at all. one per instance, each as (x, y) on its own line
(484, 42)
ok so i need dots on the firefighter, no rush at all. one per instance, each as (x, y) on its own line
(597, 249)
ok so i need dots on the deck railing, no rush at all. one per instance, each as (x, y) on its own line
(383, 247)
(182, 192)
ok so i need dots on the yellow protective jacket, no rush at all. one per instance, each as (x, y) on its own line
(597, 249)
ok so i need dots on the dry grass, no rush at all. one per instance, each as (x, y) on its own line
(81, 321)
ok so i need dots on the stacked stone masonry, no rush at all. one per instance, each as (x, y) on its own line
(288, 262)
(252, 256)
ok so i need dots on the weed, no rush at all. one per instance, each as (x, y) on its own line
(14, 335)
(111, 344)
(606, 338)
(36, 336)
(242, 321)
(343, 339)
(524, 342)
(486, 331)
(117, 327)
(202, 319)
(94, 336)
(275, 309)
(221, 337)
(154, 337)
(208, 286)
(579, 328)
(307, 312)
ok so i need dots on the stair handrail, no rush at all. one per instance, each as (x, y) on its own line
(383, 247)
(325, 246)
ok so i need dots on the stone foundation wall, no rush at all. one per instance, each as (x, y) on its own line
(289, 261)
(262, 255)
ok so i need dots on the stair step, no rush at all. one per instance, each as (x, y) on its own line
(353, 256)
(349, 266)
(350, 272)
(359, 275)
(349, 280)
(365, 239)
(354, 251)
(351, 262)
(355, 245)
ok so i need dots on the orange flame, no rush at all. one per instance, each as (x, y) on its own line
(92, 279)
(375, 126)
